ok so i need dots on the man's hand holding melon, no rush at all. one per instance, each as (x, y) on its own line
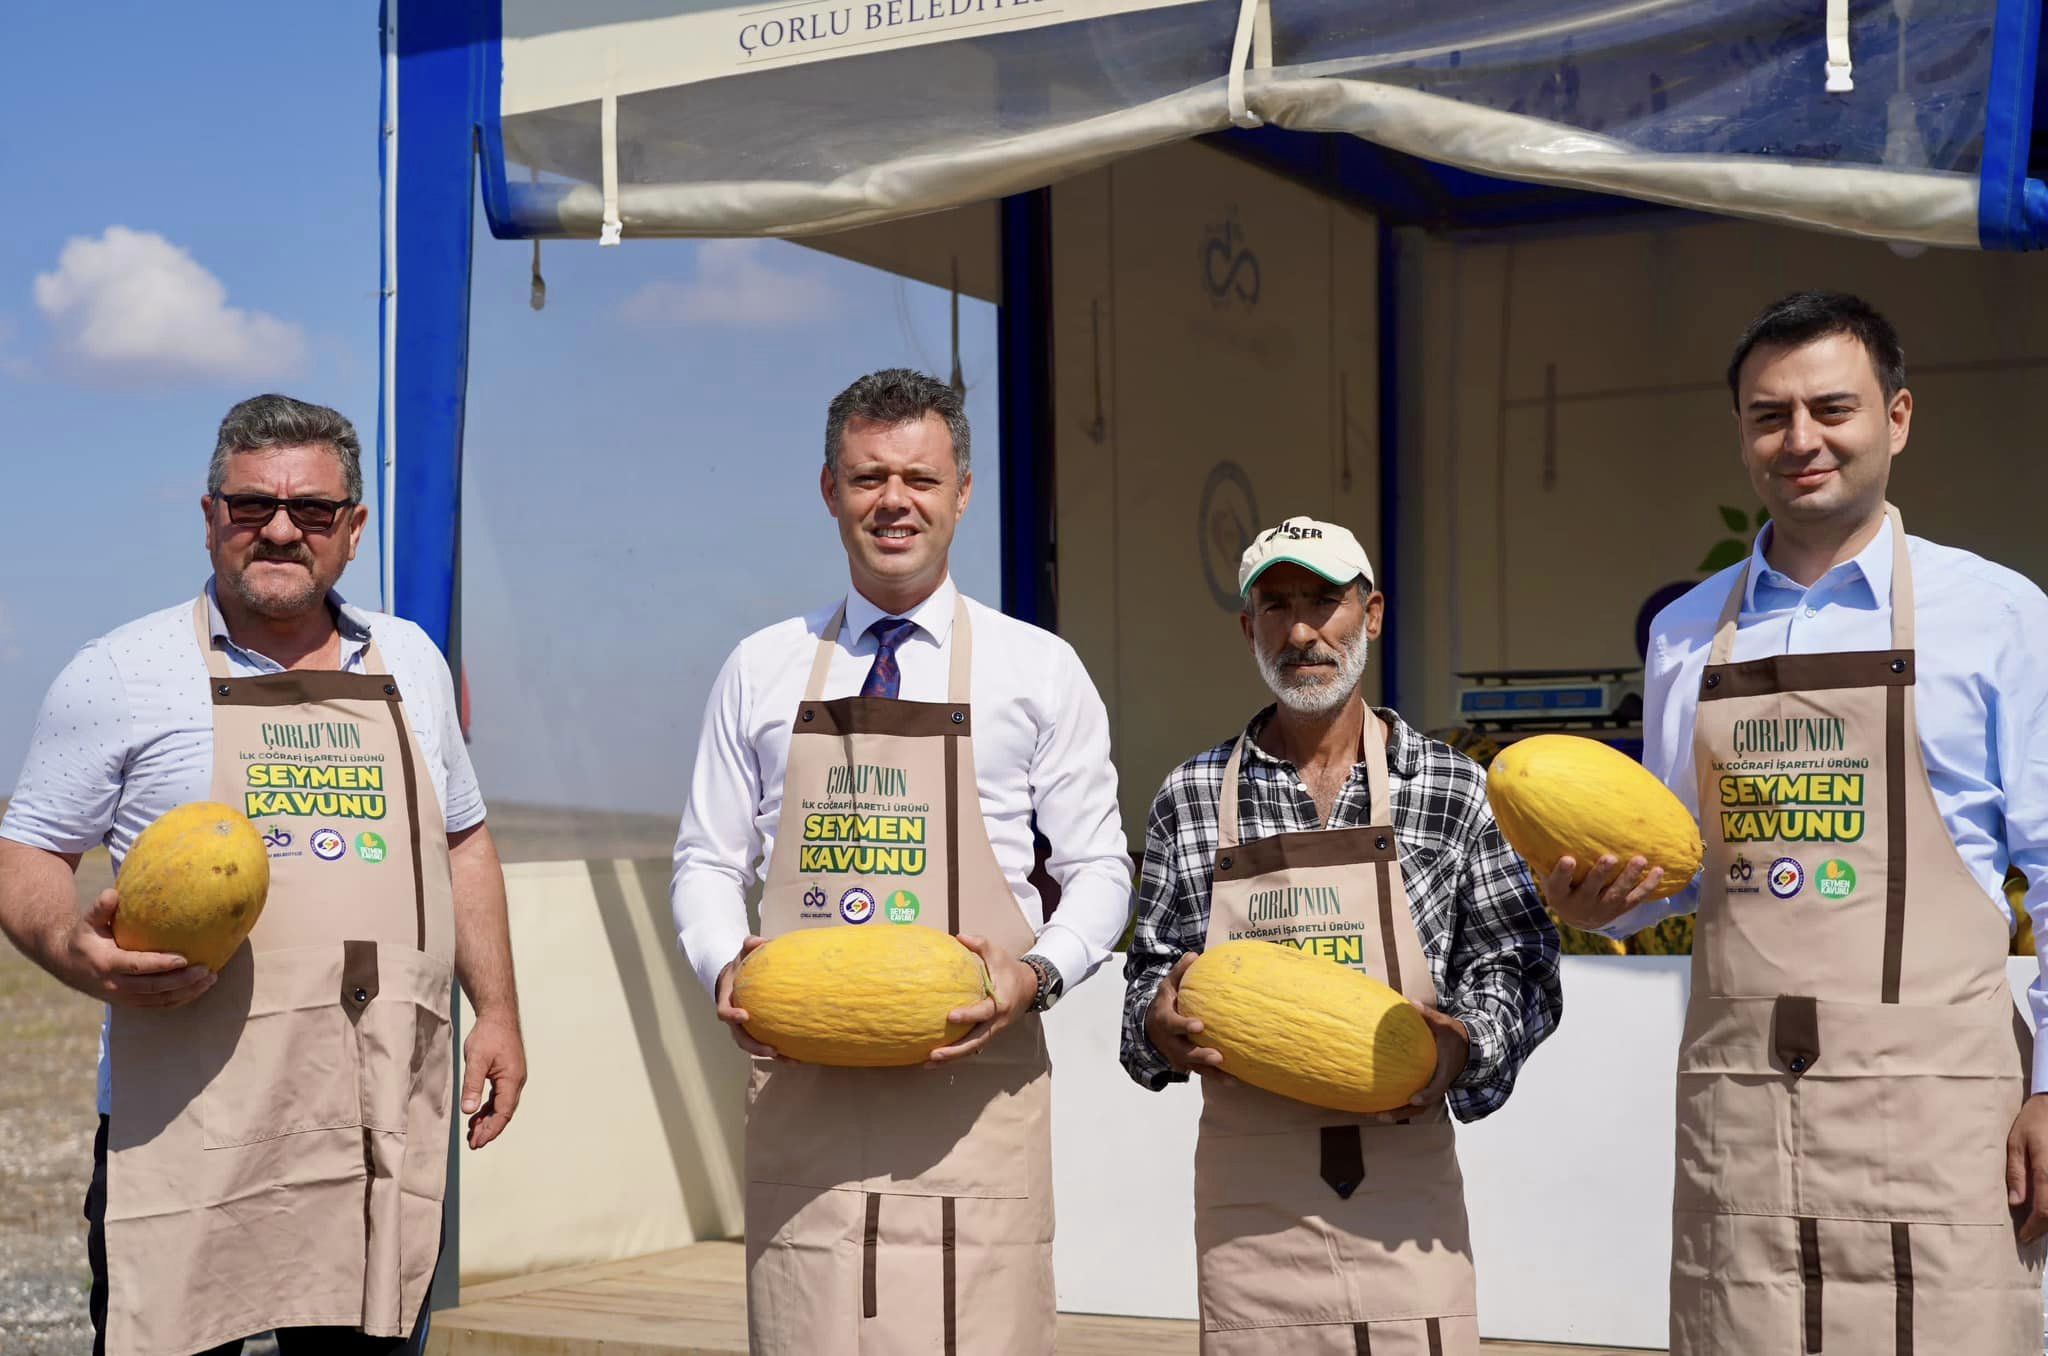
(1172, 1035)
(95, 964)
(867, 997)
(1600, 832)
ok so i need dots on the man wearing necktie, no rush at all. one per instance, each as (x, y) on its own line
(910, 1209)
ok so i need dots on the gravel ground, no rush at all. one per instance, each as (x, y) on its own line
(48, 1039)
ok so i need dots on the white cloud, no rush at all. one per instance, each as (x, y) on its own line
(739, 285)
(130, 305)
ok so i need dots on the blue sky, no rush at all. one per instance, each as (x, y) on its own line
(196, 220)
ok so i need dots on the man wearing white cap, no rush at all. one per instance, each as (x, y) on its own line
(1336, 828)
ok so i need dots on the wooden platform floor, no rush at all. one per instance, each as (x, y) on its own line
(692, 1302)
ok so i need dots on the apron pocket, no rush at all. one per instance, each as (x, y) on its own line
(291, 1071)
(981, 1131)
(1276, 1245)
(402, 1036)
(1902, 1116)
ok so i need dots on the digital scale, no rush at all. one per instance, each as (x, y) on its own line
(1606, 704)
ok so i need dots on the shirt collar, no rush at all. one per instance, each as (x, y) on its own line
(1873, 564)
(351, 621)
(933, 616)
(1404, 745)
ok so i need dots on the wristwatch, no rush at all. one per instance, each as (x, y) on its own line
(1049, 983)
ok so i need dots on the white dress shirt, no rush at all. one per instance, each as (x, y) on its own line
(1980, 699)
(1041, 745)
(126, 732)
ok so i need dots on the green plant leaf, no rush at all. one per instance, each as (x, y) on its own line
(1724, 554)
(1737, 520)
(1762, 516)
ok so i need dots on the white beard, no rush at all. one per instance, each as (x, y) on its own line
(1316, 696)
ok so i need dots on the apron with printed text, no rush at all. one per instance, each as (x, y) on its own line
(277, 1149)
(1320, 1231)
(1852, 1059)
(897, 1210)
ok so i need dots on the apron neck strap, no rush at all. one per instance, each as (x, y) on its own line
(1373, 739)
(1902, 597)
(1226, 809)
(1724, 630)
(814, 690)
(963, 654)
(957, 681)
(1902, 584)
(217, 663)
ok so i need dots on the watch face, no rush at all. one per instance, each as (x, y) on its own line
(1049, 984)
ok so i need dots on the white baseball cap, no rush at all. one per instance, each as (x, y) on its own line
(1327, 549)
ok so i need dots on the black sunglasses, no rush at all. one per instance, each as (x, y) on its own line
(308, 515)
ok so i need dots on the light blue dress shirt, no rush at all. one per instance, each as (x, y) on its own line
(1981, 699)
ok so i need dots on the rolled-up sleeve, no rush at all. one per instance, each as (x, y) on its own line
(1074, 797)
(1502, 976)
(70, 783)
(718, 842)
(1170, 923)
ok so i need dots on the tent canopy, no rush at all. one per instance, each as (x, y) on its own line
(1903, 119)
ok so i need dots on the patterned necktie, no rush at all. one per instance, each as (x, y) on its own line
(884, 679)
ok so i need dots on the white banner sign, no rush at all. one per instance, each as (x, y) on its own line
(560, 52)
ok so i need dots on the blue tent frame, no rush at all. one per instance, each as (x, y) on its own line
(441, 88)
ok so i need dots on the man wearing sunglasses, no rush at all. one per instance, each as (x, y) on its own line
(272, 1142)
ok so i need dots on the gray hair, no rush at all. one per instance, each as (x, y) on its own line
(270, 421)
(892, 396)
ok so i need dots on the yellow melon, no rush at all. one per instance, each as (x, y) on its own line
(859, 997)
(1308, 1028)
(1557, 796)
(193, 885)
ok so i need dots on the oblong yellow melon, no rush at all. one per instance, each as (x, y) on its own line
(193, 884)
(1557, 796)
(859, 997)
(1308, 1028)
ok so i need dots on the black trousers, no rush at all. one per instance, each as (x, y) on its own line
(290, 1341)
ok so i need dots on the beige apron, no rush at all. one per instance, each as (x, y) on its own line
(897, 1210)
(277, 1150)
(1318, 1231)
(1852, 1061)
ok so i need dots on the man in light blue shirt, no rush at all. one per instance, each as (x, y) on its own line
(1822, 409)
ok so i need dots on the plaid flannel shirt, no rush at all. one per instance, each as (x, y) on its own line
(1491, 947)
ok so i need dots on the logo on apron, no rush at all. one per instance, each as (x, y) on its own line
(1837, 879)
(277, 838)
(328, 845)
(902, 907)
(816, 904)
(856, 905)
(1787, 877)
(370, 847)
